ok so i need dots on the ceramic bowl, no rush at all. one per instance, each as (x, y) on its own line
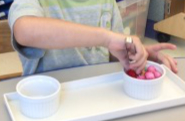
(144, 89)
(39, 96)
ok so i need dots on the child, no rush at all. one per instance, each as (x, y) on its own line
(54, 34)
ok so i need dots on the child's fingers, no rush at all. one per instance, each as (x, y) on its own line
(175, 61)
(137, 57)
(139, 64)
(168, 61)
(162, 46)
(138, 71)
(165, 61)
(138, 47)
(173, 64)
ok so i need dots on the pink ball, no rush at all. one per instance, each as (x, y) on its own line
(151, 69)
(149, 75)
(157, 74)
(141, 77)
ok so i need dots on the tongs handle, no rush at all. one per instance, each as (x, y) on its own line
(130, 47)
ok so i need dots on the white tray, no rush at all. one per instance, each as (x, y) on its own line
(103, 98)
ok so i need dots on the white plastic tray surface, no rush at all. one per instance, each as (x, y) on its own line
(103, 98)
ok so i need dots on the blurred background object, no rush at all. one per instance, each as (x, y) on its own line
(4, 8)
(134, 16)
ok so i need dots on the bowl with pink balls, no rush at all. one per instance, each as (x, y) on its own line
(147, 85)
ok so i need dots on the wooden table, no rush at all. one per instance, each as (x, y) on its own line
(10, 65)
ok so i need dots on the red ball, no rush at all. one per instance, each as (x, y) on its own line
(132, 73)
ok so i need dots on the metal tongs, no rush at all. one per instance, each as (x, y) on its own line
(130, 48)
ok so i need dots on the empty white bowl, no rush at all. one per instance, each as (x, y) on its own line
(144, 89)
(39, 96)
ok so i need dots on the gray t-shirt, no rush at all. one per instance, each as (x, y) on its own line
(99, 13)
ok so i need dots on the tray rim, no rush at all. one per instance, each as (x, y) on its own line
(8, 105)
(116, 113)
(119, 112)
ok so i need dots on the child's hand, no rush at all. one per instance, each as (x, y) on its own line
(117, 48)
(156, 55)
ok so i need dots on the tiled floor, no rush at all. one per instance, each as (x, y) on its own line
(180, 43)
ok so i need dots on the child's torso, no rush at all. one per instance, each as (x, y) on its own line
(87, 12)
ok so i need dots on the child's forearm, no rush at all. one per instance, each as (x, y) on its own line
(50, 33)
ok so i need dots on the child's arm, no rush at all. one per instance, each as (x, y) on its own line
(155, 55)
(50, 33)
